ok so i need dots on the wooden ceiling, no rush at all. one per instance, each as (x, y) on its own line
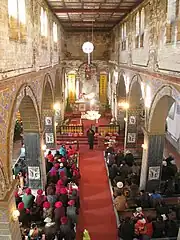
(81, 15)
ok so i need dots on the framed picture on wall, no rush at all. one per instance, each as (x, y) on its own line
(49, 138)
(131, 138)
(82, 107)
(154, 173)
(48, 121)
(132, 120)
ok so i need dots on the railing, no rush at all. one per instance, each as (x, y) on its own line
(70, 129)
(111, 129)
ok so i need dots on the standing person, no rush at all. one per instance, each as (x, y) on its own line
(90, 135)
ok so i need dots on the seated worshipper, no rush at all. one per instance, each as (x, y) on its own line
(64, 178)
(36, 213)
(62, 168)
(109, 149)
(162, 208)
(113, 172)
(119, 157)
(134, 191)
(74, 196)
(171, 229)
(149, 227)
(144, 199)
(59, 185)
(21, 180)
(169, 158)
(155, 198)
(140, 229)
(126, 229)
(16, 169)
(62, 151)
(70, 151)
(110, 159)
(125, 170)
(59, 212)
(50, 157)
(129, 158)
(57, 155)
(47, 210)
(51, 194)
(49, 229)
(40, 198)
(159, 228)
(24, 216)
(18, 199)
(52, 176)
(118, 189)
(64, 197)
(72, 212)
(65, 230)
(120, 203)
(28, 198)
(135, 169)
(76, 176)
(34, 233)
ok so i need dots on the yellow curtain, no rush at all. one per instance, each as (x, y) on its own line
(103, 88)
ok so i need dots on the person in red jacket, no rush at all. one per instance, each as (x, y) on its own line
(50, 157)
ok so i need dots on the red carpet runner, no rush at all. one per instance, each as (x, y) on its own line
(96, 212)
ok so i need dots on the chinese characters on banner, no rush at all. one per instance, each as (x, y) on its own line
(72, 87)
(49, 132)
(103, 88)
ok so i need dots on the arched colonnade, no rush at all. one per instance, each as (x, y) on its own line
(143, 108)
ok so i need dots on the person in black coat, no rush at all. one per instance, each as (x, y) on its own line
(126, 230)
(90, 135)
(65, 232)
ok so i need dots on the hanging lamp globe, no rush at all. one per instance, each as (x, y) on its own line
(88, 47)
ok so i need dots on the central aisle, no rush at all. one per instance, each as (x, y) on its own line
(96, 212)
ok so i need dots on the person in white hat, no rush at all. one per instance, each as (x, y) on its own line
(118, 189)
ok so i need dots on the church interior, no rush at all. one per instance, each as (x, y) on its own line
(89, 119)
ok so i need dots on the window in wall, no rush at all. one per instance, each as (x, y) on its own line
(142, 26)
(55, 35)
(137, 29)
(123, 36)
(44, 27)
(17, 19)
(171, 17)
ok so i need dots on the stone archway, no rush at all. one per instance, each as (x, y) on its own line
(47, 113)
(25, 102)
(154, 138)
(135, 93)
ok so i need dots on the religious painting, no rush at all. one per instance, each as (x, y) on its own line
(131, 138)
(82, 107)
(132, 120)
(34, 173)
(49, 138)
(154, 173)
(48, 121)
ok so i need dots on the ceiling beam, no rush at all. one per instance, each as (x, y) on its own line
(89, 22)
(86, 10)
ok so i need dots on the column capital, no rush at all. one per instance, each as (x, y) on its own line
(147, 133)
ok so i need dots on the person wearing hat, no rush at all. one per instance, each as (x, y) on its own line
(18, 199)
(65, 230)
(63, 151)
(59, 185)
(64, 178)
(118, 189)
(62, 168)
(51, 194)
(40, 198)
(64, 197)
(47, 210)
(52, 176)
(49, 229)
(74, 196)
(28, 198)
(72, 212)
(24, 216)
(59, 212)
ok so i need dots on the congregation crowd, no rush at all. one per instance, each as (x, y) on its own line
(142, 215)
(51, 214)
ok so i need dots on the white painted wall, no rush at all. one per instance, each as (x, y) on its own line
(174, 124)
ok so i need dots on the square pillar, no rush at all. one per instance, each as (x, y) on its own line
(33, 159)
(151, 168)
(131, 129)
(49, 129)
(9, 227)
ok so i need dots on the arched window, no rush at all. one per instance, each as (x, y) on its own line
(172, 11)
(17, 19)
(55, 37)
(137, 24)
(123, 36)
(142, 25)
(44, 23)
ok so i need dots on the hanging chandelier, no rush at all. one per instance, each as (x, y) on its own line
(88, 48)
